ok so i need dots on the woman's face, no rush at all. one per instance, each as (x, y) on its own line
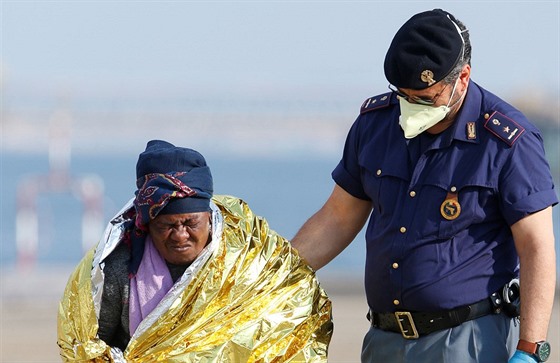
(179, 238)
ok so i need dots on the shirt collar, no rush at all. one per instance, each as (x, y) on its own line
(469, 113)
(465, 127)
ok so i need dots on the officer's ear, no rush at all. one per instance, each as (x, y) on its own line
(464, 78)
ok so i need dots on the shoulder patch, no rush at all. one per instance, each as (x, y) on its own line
(504, 128)
(374, 103)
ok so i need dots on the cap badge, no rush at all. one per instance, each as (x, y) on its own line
(427, 76)
(450, 208)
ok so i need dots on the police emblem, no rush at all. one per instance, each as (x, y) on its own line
(450, 209)
(427, 76)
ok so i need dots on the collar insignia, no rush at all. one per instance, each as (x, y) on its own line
(471, 130)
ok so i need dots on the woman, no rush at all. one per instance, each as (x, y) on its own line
(182, 275)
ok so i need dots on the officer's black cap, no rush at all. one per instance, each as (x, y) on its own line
(424, 50)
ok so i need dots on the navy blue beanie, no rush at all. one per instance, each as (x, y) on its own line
(165, 158)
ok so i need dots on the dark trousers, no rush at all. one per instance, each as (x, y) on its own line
(490, 339)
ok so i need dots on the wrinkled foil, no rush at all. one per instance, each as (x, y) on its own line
(252, 300)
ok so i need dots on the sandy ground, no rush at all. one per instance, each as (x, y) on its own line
(28, 318)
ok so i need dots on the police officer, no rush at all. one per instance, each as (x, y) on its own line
(459, 194)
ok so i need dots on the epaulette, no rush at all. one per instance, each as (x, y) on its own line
(504, 128)
(374, 103)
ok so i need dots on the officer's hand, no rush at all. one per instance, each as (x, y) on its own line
(522, 357)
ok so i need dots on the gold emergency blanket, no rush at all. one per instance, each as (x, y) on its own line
(254, 300)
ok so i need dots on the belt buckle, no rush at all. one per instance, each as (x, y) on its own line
(405, 318)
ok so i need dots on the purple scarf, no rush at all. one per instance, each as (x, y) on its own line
(150, 284)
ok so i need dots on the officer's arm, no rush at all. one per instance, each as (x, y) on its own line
(534, 241)
(332, 228)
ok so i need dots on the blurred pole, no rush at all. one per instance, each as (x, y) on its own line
(89, 191)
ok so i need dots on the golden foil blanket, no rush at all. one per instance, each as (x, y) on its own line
(254, 300)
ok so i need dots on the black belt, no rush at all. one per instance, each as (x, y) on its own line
(412, 325)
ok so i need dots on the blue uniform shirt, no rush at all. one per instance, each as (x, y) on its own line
(439, 234)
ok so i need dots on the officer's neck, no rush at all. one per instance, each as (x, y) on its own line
(440, 126)
(450, 118)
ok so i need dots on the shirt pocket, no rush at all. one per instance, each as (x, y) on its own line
(384, 182)
(459, 205)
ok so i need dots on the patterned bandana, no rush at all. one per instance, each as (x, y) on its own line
(154, 192)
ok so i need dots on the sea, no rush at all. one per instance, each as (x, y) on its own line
(286, 191)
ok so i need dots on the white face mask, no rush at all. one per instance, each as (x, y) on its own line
(416, 118)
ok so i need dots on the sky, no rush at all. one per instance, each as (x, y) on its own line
(290, 51)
